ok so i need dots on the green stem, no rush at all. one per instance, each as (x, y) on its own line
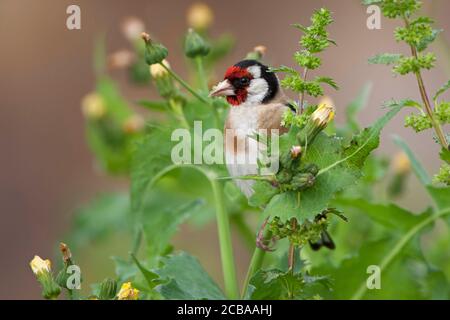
(185, 85)
(226, 249)
(177, 109)
(223, 225)
(203, 80)
(255, 264)
(399, 247)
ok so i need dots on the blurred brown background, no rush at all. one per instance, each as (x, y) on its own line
(45, 69)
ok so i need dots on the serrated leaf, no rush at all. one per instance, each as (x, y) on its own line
(186, 280)
(442, 90)
(419, 171)
(445, 155)
(385, 58)
(340, 167)
(428, 40)
(328, 81)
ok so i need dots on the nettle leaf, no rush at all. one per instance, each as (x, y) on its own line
(442, 90)
(264, 191)
(328, 81)
(186, 280)
(385, 58)
(426, 41)
(340, 167)
(445, 155)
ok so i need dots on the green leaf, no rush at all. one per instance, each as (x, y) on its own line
(420, 172)
(442, 90)
(150, 277)
(152, 154)
(328, 81)
(278, 285)
(186, 280)
(264, 191)
(440, 196)
(445, 155)
(390, 215)
(403, 103)
(162, 214)
(95, 221)
(340, 167)
(385, 58)
(154, 105)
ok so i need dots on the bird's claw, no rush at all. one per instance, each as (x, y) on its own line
(261, 242)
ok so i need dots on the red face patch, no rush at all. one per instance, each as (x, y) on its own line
(234, 74)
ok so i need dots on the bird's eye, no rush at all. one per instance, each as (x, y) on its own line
(245, 81)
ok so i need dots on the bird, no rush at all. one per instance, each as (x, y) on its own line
(256, 103)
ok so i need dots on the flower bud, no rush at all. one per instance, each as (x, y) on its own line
(257, 53)
(200, 16)
(108, 289)
(93, 106)
(323, 115)
(127, 292)
(155, 52)
(133, 124)
(296, 152)
(195, 45)
(318, 121)
(42, 269)
(158, 71)
(303, 181)
(132, 28)
(39, 266)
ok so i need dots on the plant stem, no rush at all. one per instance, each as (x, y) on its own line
(186, 85)
(226, 250)
(179, 113)
(398, 248)
(203, 80)
(255, 264)
(426, 101)
(291, 254)
(302, 95)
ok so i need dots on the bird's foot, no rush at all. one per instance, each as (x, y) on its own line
(261, 242)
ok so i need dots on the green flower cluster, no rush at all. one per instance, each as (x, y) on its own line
(315, 40)
(301, 235)
(415, 64)
(443, 176)
(418, 122)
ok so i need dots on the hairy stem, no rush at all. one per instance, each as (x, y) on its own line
(203, 80)
(393, 253)
(226, 250)
(426, 101)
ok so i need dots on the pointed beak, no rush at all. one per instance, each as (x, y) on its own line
(222, 89)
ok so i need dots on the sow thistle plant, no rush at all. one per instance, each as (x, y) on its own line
(325, 171)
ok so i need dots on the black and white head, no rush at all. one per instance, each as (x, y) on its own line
(247, 83)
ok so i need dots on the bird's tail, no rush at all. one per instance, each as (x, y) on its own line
(324, 241)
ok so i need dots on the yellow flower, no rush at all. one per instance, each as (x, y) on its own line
(158, 71)
(127, 292)
(38, 265)
(93, 106)
(200, 16)
(401, 164)
(323, 115)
